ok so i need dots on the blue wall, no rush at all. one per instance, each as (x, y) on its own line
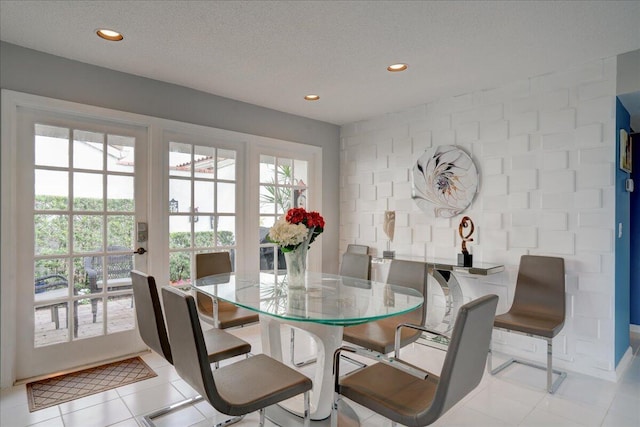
(623, 258)
(635, 234)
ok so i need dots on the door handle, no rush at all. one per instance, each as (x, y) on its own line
(140, 251)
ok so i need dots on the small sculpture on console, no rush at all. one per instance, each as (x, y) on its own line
(465, 259)
(389, 226)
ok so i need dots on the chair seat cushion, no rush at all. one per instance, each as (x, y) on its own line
(380, 335)
(222, 345)
(390, 392)
(257, 382)
(231, 316)
(529, 323)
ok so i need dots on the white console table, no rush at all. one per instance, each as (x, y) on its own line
(444, 272)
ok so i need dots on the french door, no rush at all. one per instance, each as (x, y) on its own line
(81, 198)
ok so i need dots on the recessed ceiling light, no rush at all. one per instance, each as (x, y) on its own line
(312, 97)
(397, 67)
(110, 35)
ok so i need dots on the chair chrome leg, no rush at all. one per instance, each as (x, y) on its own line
(147, 420)
(334, 410)
(292, 350)
(261, 412)
(230, 421)
(359, 364)
(307, 410)
(552, 386)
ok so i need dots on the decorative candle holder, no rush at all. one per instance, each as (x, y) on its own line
(465, 259)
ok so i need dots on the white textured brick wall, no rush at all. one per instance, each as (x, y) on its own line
(545, 151)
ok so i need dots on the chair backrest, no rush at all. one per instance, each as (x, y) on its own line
(149, 314)
(211, 263)
(411, 274)
(208, 264)
(358, 249)
(540, 287)
(466, 356)
(190, 357)
(355, 265)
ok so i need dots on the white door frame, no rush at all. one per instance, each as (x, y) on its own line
(16, 360)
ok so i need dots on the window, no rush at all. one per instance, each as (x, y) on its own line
(202, 185)
(283, 185)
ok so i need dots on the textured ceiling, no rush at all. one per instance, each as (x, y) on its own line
(273, 53)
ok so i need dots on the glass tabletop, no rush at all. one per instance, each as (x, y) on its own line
(327, 298)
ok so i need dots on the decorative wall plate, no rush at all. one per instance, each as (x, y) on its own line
(444, 181)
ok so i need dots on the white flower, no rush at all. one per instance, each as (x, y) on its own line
(286, 234)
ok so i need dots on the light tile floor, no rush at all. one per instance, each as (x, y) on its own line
(515, 397)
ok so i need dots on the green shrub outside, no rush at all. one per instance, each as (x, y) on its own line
(51, 236)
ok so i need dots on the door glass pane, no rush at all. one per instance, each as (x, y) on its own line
(80, 276)
(120, 313)
(87, 233)
(118, 272)
(90, 315)
(226, 231)
(283, 199)
(51, 190)
(179, 268)
(51, 146)
(267, 169)
(120, 153)
(51, 234)
(180, 194)
(51, 279)
(205, 239)
(179, 159)
(204, 196)
(204, 162)
(300, 175)
(87, 192)
(226, 164)
(227, 197)
(51, 324)
(120, 193)
(285, 171)
(179, 231)
(88, 150)
(267, 199)
(119, 231)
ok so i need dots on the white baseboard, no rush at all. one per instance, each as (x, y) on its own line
(635, 329)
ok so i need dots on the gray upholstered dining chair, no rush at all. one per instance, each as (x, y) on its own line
(355, 265)
(379, 336)
(239, 388)
(538, 310)
(220, 314)
(357, 249)
(220, 345)
(414, 397)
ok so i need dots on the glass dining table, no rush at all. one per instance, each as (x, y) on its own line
(322, 308)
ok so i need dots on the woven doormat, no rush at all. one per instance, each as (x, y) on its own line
(64, 388)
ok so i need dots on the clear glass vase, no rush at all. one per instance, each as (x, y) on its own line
(296, 261)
